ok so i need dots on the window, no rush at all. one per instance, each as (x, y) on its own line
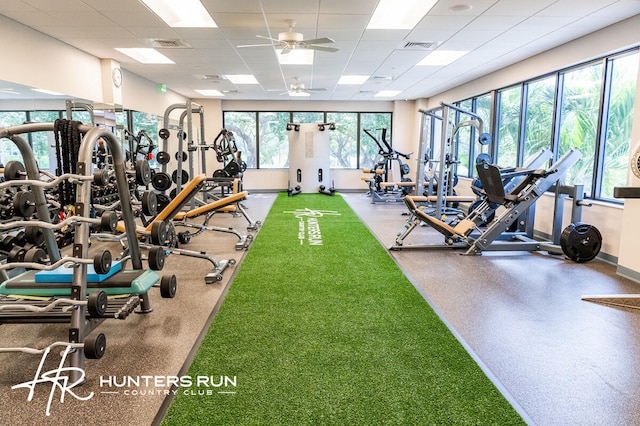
(8, 150)
(578, 125)
(508, 126)
(463, 140)
(40, 141)
(273, 141)
(368, 148)
(141, 121)
(618, 119)
(308, 117)
(243, 126)
(344, 139)
(538, 115)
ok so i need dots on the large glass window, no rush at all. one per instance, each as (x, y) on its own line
(539, 113)
(579, 108)
(508, 126)
(308, 117)
(8, 150)
(619, 106)
(374, 122)
(463, 140)
(344, 139)
(273, 141)
(243, 126)
(40, 141)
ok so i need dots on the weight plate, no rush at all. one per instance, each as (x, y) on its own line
(35, 255)
(184, 175)
(220, 173)
(34, 235)
(158, 233)
(161, 181)
(95, 348)
(97, 303)
(101, 177)
(184, 156)
(163, 201)
(483, 158)
(14, 170)
(24, 204)
(156, 258)
(102, 262)
(484, 139)
(164, 133)
(163, 157)
(16, 254)
(168, 285)
(109, 221)
(149, 203)
(143, 172)
(173, 193)
(581, 242)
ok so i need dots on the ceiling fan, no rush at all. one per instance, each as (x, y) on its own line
(291, 40)
(297, 88)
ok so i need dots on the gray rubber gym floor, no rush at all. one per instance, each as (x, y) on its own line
(560, 360)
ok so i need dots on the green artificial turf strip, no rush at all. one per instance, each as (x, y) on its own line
(331, 334)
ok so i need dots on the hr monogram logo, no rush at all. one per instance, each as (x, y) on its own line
(309, 229)
(57, 378)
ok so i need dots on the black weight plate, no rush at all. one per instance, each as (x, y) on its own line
(164, 133)
(581, 242)
(24, 204)
(173, 193)
(156, 258)
(184, 156)
(16, 254)
(35, 255)
(184, 175)
(149, 203)
(14, 170)
(34, 235)
(143, 172)
(161, 181)
(102, 262)
(220, 173)
(158, 233)
(97, 303)
(163, 157)
(168, 285)
(109, 221)
(163, 201)
(101, 177)
(95, 348)
(184, 237)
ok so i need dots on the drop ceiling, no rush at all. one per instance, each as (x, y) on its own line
(496, 33)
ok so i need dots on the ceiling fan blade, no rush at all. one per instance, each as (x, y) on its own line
(320, 40)
(286, 49)
(268, 38)
(322, 48)
(257, 45)
(316, 90)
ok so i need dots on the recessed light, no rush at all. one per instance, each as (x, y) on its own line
(353, 79)
(387, 93)
(242, 78)
(209, 92)
(442, 57)
(145, 55)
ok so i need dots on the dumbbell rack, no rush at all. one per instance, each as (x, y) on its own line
(74, 309)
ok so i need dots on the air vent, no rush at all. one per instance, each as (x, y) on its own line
(421, 45)
(212, 78)
(169, 43)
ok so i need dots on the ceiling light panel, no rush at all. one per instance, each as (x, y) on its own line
(442, 57)
(353, 79)
(242, 78)
(296, 57)
(145, 55)
(182, 14)
(399, 15)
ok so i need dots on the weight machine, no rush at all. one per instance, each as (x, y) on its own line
(515, 191)
(437, 165)
(382, 188)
